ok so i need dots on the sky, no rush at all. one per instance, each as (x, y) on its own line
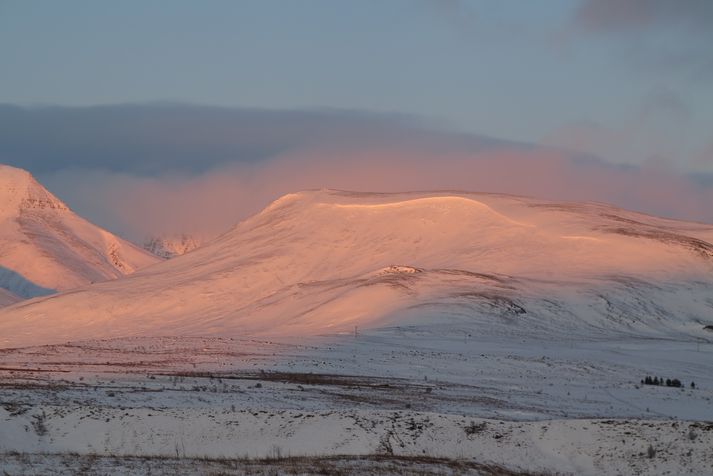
(164, 96)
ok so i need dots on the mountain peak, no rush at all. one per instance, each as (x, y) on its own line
(20, 191)
(46, 247)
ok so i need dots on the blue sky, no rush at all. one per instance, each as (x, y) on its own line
(525, 71)
(626, 83)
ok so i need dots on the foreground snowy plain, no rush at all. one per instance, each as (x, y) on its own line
(444, 405)
(437, 333)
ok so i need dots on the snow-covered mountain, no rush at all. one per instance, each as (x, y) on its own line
(327, 261)
(171, 246)
(45, 247)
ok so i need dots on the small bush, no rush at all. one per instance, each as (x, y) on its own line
(474, 429)
(39, 424)
(651, 452)
(676, 383)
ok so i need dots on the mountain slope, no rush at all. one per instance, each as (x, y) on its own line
(327, 261)
(45, 247)
(7, 298)
(172, 246)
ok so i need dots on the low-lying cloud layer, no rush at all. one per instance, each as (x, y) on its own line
(161, 169)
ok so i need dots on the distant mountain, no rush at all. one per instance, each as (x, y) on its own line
(171, 246)
(443, 262)
(45, 247)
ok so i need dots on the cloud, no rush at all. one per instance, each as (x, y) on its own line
(607, 16)
(652, 35)
(151, 138)
(705, 157)
(655, 131)
(156, 169)
(211, 202)
(664, 103)
(646, 137)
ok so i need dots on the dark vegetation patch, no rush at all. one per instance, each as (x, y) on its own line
(23, 369)
(696, 245)
(299, 378)
(341, 465)
(496, 301)
(560, 207)
(395, 280)
(676, 383)
(472, 274)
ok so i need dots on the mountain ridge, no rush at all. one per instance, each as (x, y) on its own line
(325, 261)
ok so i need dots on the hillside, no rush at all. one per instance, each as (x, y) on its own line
(327, 261)
(45, 247)
(171, 246)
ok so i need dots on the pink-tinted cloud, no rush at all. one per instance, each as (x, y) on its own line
(142, 170)
(212, 202)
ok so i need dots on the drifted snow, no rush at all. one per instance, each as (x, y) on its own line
(327, 261)
(45, 247)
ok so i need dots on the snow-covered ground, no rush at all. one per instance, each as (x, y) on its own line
(569, 407)
(564, 446)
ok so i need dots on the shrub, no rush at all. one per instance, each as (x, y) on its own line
(474, 429)
(660, 381)
(39, 424)
(651, 452)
